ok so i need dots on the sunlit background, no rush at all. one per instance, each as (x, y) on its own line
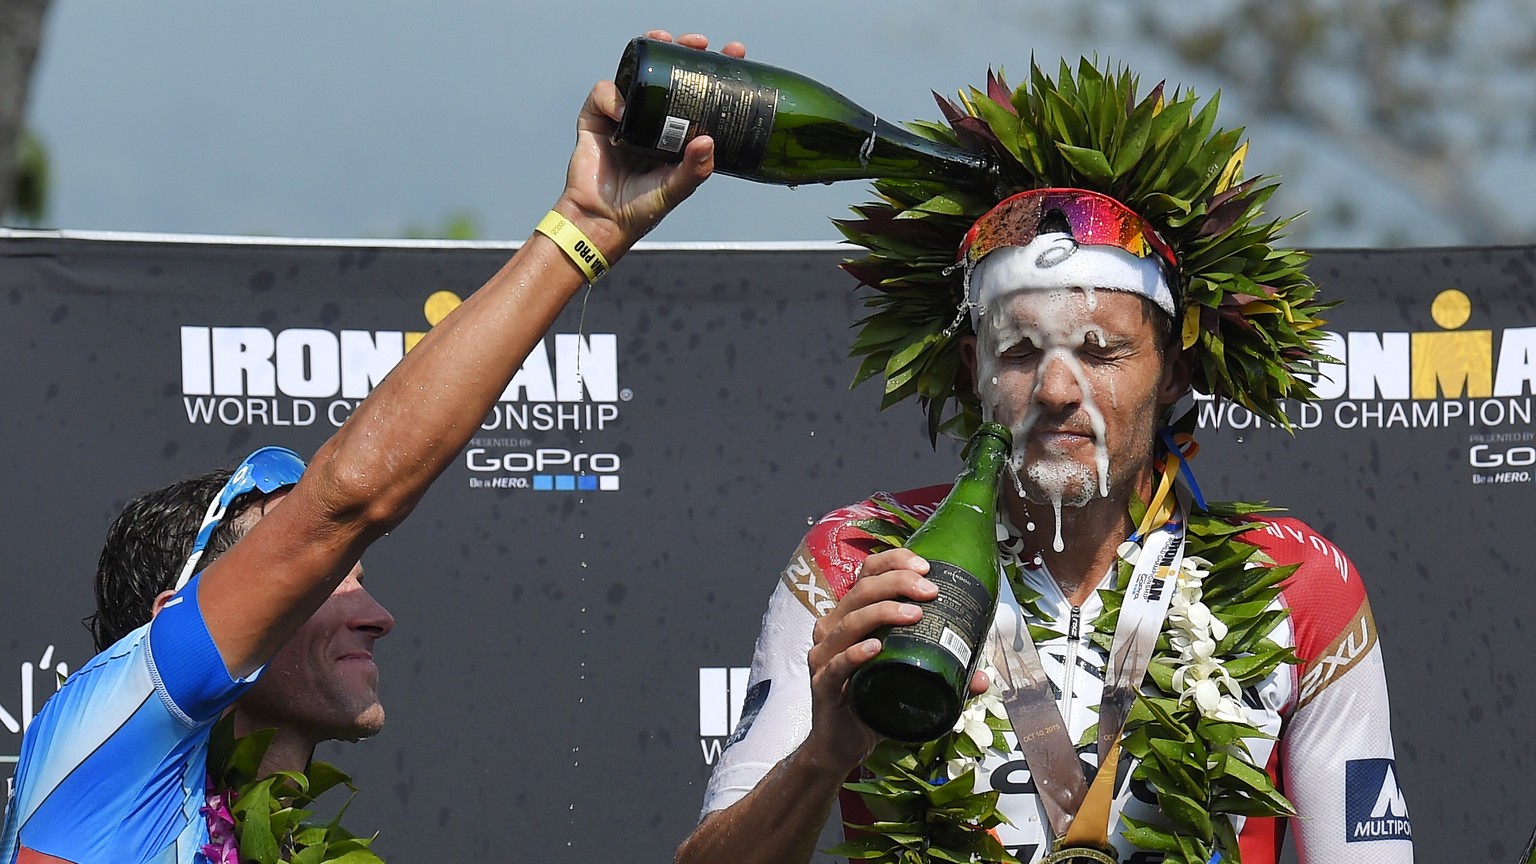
(1395, 122)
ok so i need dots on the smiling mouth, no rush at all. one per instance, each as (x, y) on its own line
(365, 656)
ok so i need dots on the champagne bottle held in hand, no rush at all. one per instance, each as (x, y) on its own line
(914, 689)
(769, 124)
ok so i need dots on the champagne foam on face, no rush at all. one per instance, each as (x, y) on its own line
(1062, 325)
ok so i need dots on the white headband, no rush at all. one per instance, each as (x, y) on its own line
(1056, 261)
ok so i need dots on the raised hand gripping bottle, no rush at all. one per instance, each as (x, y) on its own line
(769, 124)
(914, 689)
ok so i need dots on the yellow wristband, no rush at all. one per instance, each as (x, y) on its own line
(574, 243)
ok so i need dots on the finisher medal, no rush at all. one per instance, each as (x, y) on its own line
(1079, 855)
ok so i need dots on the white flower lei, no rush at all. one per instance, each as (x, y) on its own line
(1194, 632)
(975, 723)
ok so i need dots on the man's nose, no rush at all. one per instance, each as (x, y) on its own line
(1059, 387)
(367, 614)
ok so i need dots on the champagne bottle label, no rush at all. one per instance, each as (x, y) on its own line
(737, 114)
(957, 619)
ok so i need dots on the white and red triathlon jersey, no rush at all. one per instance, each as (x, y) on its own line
(1333, 754)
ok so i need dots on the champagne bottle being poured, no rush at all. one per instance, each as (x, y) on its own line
(769, 124)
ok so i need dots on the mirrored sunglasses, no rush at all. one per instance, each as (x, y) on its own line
(1091, 218)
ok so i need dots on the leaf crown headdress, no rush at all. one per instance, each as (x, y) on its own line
(1246, 308)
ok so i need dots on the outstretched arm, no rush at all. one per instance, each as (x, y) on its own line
(373, 471)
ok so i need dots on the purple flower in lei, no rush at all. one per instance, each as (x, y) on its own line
(222, 847)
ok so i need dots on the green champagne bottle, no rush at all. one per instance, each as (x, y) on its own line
(914, 688)
(769, 124)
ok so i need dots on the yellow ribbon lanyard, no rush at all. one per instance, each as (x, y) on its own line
(1160, 510)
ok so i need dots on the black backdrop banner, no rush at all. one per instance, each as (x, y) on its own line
(578, 597)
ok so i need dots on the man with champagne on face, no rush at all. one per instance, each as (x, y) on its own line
(1166, 677)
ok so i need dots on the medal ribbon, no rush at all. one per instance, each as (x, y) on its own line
(1079, 813)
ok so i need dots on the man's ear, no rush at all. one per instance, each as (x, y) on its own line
(160, 600)
(1176, 377)
(968, 355)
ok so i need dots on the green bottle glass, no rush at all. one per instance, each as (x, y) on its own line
(769, 124)
(914, 689)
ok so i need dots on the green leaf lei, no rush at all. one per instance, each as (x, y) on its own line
(1199, 768)
(270, 814)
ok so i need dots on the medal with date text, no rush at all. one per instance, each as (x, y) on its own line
(1079, 855)
(1078, 811)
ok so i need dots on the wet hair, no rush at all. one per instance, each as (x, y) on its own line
(1165, 329)
(148, 544)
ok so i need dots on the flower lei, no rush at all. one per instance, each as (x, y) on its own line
(263, 820)
(1187, 729)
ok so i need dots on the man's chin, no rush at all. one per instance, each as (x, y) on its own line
(1069, 498)
(1058, 483)
(366, 724)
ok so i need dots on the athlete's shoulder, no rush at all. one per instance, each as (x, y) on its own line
(1326, 595)
(918, 503)
(1291, 541)
(76, 742)
(117, 676)
(836, 545)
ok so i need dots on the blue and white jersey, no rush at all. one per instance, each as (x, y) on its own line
(112, 770)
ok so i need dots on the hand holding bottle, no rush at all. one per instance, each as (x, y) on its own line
(617, 197)
(844, 639)
(915, 689)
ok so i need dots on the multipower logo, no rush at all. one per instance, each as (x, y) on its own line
(1374, 808)
(1383, 380)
